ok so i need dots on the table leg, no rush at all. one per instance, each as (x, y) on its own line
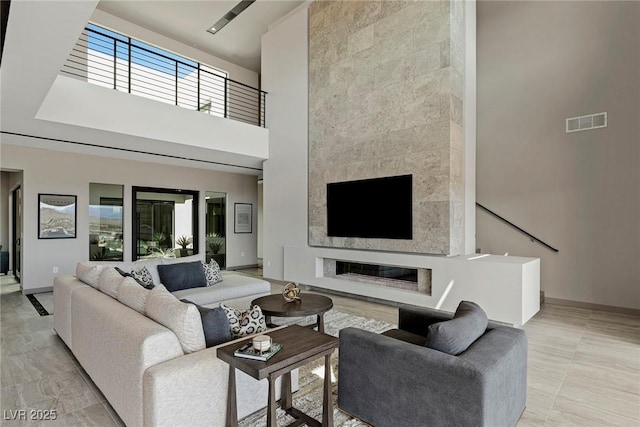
(271, 404)
(232, 409)
(327, 400)
(287, 401)
(321, 323)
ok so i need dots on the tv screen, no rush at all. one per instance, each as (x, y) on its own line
(371, 208)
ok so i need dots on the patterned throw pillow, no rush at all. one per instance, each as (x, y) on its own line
(212, 272)
(245, 322)
(143, 276)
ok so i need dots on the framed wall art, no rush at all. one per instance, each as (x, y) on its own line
(57, 215)
(243, 213)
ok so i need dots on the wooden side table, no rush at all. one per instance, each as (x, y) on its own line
(308, 305)
(300, 346)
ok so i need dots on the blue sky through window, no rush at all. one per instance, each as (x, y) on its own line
(141, 53)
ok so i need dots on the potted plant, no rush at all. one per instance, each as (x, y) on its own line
(183, 241)
(215, 244)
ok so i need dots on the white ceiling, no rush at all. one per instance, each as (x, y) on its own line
(187, 21)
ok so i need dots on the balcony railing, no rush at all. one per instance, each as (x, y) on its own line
(109, 59)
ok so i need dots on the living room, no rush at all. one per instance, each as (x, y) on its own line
(569, 189)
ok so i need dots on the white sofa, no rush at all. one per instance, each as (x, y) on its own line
(140, 366)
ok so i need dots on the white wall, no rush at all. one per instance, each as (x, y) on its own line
(260, 219)
(538, 64)
(4, 210)
(284, 77)
(79, 103)
(64, 173)
(470, 123)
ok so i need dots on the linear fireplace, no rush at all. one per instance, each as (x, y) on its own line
(384, 271)
(413, 279)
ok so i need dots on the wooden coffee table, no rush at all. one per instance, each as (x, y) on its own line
(307, 305)
(300, 346)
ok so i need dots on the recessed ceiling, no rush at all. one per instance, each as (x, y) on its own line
(187, 21)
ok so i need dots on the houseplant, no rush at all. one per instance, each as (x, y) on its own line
(183, 241)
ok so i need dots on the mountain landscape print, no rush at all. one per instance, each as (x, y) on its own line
(57, 216)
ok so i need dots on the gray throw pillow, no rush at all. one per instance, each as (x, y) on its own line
(184, 275)
(215, 324)
(456, 335)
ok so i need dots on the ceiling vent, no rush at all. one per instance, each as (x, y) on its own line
(237, 10)
(590, 121)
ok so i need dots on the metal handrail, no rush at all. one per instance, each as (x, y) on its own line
(123, 64)
(531, 236)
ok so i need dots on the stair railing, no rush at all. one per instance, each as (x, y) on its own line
(506, 221)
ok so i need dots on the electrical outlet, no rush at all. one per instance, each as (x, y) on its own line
(55, 269)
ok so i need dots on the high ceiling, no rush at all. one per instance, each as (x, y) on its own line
(31, 67)
(187, 21)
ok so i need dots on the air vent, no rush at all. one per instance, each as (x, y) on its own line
(590, 121)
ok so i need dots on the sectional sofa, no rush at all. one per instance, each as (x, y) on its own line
(140, 365)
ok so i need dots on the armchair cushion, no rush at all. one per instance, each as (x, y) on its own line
(456, 335)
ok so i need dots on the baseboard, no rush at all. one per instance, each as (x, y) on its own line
(241, 267)
(591, 306)
(37, 290)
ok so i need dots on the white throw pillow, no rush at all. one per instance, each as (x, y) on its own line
(245, 322)
(110, 281)
(182, 318)
(212, 272)
(131, 294)
(152, 266)
(89, 273)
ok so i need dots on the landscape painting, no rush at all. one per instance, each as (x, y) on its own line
(56, 216)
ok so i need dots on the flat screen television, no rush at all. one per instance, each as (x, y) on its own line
(378, 208)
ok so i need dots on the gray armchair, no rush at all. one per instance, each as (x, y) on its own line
(392, 379)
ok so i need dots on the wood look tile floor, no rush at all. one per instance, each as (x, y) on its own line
(584, 365)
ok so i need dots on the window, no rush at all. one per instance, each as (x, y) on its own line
(165, 222)
(106, 214)
(216, 226)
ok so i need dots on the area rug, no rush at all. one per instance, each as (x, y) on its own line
(309, 396)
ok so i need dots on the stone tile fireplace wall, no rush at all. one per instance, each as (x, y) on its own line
(385, 99)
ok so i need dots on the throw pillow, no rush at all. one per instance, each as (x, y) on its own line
(152, 266)
(186, 275)
(245, 322)
(143, 276)
(138, 278)
(215, 324)
(131, 294)
(89, 273)
(212, 272)
(456, 335)
(110, 281)
(183, 319)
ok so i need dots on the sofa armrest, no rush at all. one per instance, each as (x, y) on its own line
(388, 382)
(417, 319)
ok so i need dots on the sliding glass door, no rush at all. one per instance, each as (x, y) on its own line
(216, 226)
(165, 222)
